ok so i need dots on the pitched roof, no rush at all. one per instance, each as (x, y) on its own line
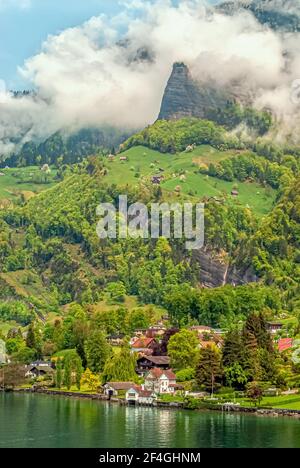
(46, 370)
(121, 385)
(284, 344)
(144, 393)
(157, 360)
(142, 343)
(156, 373)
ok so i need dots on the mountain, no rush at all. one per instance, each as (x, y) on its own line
(184, 97)
(277, 14)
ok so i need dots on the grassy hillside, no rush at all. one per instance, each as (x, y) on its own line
(142, 163)
(25, 181)
(131, 303)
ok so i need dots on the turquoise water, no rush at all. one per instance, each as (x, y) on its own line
(47, 421)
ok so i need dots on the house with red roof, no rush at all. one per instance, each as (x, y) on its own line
(161, 381)
(143, 345)
(284, 344)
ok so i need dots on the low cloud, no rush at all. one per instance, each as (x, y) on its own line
(113, 70)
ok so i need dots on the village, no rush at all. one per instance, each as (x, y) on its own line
(156, 383)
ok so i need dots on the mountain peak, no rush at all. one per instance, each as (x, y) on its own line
(185, 97)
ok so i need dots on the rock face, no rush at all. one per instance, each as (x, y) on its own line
(213, 273)
(184, 97)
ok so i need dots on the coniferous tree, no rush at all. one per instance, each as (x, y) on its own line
(232, 349)
(251, 359)
(209, 369)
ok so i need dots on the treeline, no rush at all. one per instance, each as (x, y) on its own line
(223, 306)
(59, 149)
(233, 114)
(175, 135)
(250, 166)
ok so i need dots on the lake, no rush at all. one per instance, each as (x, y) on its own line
(42, 421)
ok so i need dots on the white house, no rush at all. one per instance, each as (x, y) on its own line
(39, 369)
(136, 395)
(114, 388)
(161, 381)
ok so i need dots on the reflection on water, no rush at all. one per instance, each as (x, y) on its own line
(43, 421)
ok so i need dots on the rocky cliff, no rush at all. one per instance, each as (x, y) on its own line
(184, 97)
(214, 273)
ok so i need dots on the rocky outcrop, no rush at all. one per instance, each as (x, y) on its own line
(214, 272)
(184, 97)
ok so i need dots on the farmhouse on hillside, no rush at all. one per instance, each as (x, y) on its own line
(157, 179)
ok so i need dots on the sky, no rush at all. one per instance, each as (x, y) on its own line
(25, 25)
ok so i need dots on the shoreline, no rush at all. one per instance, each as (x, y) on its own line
(274, 412)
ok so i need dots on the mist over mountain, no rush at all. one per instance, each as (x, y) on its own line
(113, 71)
(278, 14)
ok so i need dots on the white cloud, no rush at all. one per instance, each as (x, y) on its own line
(86, 76)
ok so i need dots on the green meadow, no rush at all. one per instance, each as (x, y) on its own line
(142, 163)
(26, 180)
(179, 170)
